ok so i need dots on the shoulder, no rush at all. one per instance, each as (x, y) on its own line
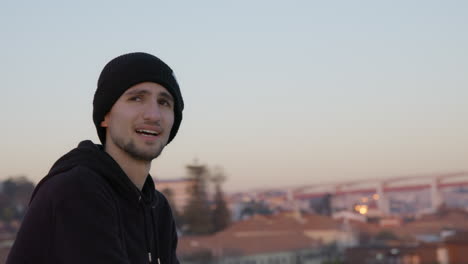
(78, 193)
(72, 183)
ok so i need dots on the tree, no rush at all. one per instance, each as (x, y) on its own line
(255, 208)
(221, 213)
(14, 199)
(386, 235)
(324, 206)
(197, 213)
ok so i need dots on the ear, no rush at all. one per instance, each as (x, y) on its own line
(104, 123)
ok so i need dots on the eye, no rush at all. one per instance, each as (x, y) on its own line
(164, 102)
(136, 98)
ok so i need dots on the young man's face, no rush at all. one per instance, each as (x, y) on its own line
(140, 122)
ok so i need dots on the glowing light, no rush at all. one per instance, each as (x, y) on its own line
(363, 209)
(375, 196)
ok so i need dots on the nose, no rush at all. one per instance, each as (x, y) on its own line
(152, 112)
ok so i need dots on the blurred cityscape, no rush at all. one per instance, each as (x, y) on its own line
(415, 219)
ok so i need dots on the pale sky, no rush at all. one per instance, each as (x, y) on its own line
(278, 93)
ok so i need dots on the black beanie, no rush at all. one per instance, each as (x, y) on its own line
(126, 71)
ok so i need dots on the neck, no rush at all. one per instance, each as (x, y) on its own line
(136, 170)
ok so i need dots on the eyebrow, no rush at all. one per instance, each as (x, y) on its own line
(164, 94)
(167, 96)
(136, 92)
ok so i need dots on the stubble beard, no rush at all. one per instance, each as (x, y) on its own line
(138, 154)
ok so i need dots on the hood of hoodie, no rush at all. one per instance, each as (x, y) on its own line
(93, 156)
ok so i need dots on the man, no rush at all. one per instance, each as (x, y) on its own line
(98, 204)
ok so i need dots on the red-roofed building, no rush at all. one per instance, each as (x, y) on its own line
(249, 247)
(282, 238)
(452, 249)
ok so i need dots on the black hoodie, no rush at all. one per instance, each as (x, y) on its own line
(86, 210)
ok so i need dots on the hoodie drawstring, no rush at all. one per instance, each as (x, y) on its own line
(155, 229)
(149, 242)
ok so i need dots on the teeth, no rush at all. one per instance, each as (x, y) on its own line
(147, 132)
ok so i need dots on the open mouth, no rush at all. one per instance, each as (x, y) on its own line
(147, 132)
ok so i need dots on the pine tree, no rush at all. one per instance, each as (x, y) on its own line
(221, 214)
(197, 214)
